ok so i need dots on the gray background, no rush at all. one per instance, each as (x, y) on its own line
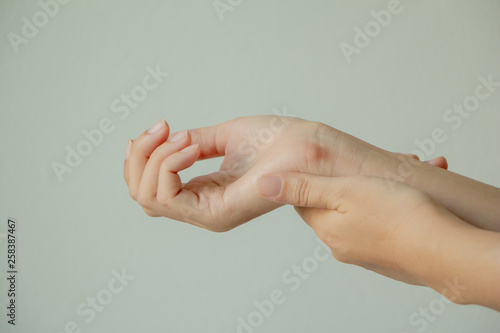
(264, 55)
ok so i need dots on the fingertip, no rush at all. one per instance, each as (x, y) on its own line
(178, 136)
(182, 159)
(443, 162)
(159, 126)
(269, 186)
(191, 149)
(439, 162)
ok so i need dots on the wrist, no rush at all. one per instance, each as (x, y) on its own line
(348, 155)
(444, 253)
(461, 262)
(430, 249)
(474, 264)
(351, 156)
(398, 167)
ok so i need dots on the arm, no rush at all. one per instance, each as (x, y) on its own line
(398, 232)
(466, 267)
(227, 198)
(473, 201)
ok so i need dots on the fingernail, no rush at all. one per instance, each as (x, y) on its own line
(189, 148)
(156, 127)
(269, 186)
(127, 151)
(178, 136)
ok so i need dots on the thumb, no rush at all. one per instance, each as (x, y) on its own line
(299, 189)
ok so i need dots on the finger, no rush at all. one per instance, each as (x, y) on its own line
(140, 151)
(150, 212)
(299, 189)
(125, 164)
(212, 140)
(170, 193)
(148, 187)
(413, 156)
(440, 162)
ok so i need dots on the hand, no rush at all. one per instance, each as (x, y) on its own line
(251, 146)
(366, 223)
(226, 198)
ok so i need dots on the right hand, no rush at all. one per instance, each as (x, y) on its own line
(251, 146)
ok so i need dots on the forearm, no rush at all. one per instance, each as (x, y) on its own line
(465, 267)
(454, 258)
(472, 201)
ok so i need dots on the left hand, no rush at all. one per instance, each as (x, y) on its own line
(393, 232)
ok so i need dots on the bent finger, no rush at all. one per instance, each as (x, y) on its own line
(150, 177)
(141, 150)
(178, 201)
(212, 140)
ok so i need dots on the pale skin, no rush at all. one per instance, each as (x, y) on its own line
(457, 218)
(403, 233)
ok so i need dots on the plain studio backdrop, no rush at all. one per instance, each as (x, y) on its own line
(90, 260)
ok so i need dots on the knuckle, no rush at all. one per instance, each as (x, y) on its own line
(138, 146)
(302, 191)
(133, 193)
(144, 199)
(163, 200)
(150, 212)
(164, 165)
(414, 156)
(157, 155)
